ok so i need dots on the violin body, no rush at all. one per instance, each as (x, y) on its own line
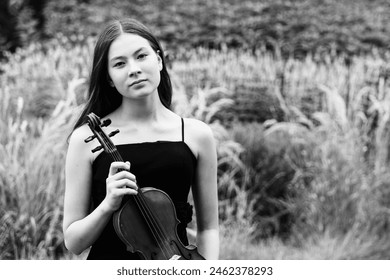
(135, 233)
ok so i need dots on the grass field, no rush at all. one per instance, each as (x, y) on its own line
(310, 182)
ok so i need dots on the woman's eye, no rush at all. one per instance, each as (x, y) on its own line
(118, 64)
(142, 56)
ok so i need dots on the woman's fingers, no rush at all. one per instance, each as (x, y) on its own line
(123, 168)
(118, 165)
(123, 175)
(121, 179)
(120, 192)
(123, 183)
(120, 182)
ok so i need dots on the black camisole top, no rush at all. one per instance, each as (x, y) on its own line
(165, 165)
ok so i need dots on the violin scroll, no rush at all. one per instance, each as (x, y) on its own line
(95, 124)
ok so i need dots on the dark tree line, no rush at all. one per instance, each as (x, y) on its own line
(287, 26)
(20, 22)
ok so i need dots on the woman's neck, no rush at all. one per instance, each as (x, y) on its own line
(139, 111)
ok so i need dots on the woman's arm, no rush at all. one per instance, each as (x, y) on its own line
(81, 228)
(205, 191)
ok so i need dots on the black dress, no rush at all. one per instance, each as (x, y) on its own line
(166, 165)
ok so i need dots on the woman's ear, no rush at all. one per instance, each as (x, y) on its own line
(159, 60)
(110, 82)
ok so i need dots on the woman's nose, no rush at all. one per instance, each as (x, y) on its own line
(134, 69)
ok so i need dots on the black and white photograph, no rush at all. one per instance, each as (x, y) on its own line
(195, 130)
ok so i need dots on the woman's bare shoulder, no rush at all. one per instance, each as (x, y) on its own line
(79, 134)
(199, 137)
(197, 128)
(77, 144)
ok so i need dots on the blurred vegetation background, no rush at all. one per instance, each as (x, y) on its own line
(297, 94)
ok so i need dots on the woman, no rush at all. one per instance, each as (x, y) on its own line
(130, 85)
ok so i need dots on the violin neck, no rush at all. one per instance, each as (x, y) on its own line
(114, 154)
(111, 149)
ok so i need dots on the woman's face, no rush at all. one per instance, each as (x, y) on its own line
(133, 66)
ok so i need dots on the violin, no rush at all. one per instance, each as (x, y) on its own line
(146, 223)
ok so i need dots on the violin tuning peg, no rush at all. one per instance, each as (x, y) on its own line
(113, 133)
(90, 138)
(98, 148)
(106, 122)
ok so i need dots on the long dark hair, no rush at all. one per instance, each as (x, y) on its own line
(104, 99)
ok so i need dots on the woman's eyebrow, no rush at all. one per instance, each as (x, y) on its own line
(139, 50)
(117, 57)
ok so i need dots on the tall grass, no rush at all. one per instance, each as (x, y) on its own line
(314, 183)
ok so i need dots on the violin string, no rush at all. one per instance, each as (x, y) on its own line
(158, 225)
(146, 212)
(152, 228)
(145, 207)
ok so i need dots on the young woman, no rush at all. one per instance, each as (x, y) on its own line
(130, 85)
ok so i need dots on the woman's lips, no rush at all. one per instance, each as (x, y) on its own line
(137, 82)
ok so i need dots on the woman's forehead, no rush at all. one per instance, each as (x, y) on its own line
(127, 44)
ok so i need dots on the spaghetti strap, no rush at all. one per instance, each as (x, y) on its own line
(182, 129)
